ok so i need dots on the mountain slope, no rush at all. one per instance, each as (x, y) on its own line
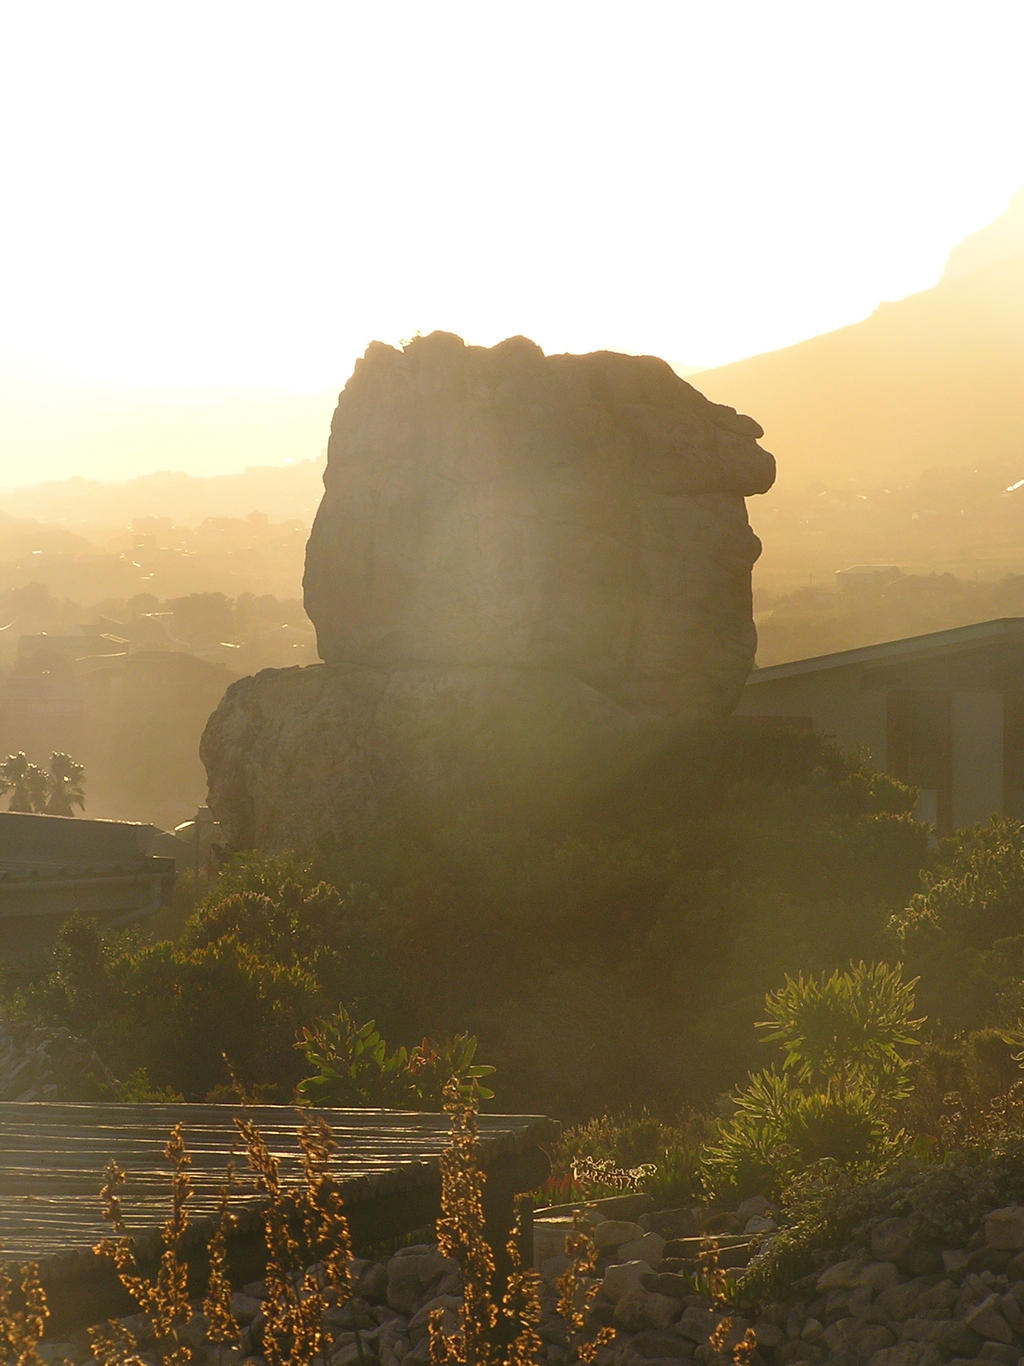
(933, 380)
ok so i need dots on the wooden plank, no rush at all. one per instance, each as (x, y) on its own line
(52, 1158)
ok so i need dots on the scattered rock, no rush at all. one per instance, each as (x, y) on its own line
(673, 1223)
(641, 1309)
(623, 1278)
(613, 1232)
(890, 1240)
(649, 1247)
(1004, 1229)
(858, 1310)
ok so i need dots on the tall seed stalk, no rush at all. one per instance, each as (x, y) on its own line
(308, 1246)
(164, 1298)
(489, 1334)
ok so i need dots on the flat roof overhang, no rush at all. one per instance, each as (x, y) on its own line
(957, 640)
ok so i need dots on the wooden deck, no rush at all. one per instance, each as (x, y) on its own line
(52, 1158)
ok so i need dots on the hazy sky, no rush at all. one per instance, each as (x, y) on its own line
(223, 196)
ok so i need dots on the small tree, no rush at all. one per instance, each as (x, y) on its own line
(66, 785)
(964, 930)
(28, 785)
(842, 1076)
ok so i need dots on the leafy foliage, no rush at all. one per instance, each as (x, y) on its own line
(353, 1067)
(66, 785)
(843, 1073)
(778, 1129)
(224, 1004)
(667, 1153)
(664, 909)
(193, 1019)
(976, 1068)
(845, 1032)
(829, 1210)
(77, 991)
(964, 930)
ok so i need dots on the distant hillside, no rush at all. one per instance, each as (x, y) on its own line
(933, 380)
(107, 429)
(283, 492)
(20, 537)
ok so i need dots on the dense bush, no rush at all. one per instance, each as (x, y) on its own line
(225, 1004)
(351, 1064)
(828, 1212)
(975, 1067)
(612, 958)
(625, 948)
(963, 932)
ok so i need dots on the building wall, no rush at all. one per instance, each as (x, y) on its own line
(977, 756)
(835, 703)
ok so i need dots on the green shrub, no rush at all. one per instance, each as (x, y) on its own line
(845, 1032)
(963, 932)
(663, 908)
(678, 1176)
(608, 956)
(828, 1212)
(844, 1072)
(78, 988)
(629, 1141)
(353, 1067)
(194, 1018)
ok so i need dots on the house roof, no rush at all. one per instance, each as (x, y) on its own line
(958, 640)
(51, 866)
(49, 846)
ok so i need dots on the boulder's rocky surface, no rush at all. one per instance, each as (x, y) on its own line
(37, 1063)
(516, 557)
(503, 508)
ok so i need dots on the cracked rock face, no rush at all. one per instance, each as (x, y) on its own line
(578, 513)
(516, 557)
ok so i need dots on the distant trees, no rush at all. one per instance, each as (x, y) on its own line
(203, 618)
(25, 782)
(66, 781)
(822, 618)
(55, 792)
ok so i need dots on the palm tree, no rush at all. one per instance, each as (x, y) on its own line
(28, 785)
(65, 782)
(33, 789)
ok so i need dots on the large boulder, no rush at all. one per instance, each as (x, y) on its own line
(576, 513)
(520, 564)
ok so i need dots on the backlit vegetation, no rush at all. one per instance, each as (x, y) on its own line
(610, 969)
(307, 1274)
(611, 959)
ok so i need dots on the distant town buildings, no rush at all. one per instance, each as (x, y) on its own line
(132, 717)
(866, 573)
